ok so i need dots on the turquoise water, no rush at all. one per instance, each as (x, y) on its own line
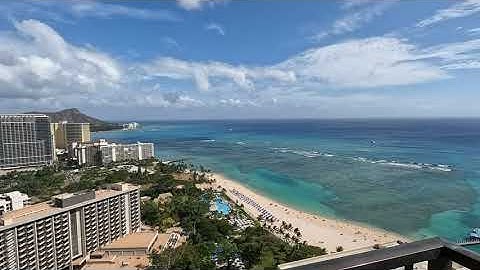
(392, 174)
(222, 206)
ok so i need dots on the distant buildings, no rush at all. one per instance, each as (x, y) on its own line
(25, 140)
(103, 152)
(131, 126)
(88, 153)
(65, 133)
(30, 140)
(119, 152)
(63, 233)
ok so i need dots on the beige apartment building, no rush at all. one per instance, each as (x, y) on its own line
(65, 133)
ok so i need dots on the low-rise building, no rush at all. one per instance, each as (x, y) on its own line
(139, 243)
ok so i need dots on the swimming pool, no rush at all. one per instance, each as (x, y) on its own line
(222, 206)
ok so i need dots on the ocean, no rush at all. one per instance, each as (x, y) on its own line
(419, 178)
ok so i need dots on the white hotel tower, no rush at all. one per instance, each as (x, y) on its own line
(62, 233)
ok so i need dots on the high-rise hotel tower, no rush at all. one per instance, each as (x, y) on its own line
(62, 233)
(25, 140)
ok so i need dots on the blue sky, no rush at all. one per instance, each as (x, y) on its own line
(242, 59)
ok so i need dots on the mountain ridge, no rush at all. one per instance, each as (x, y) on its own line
(74, 115)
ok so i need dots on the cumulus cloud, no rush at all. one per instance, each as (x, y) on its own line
(36, 61)
(216, 28)
(457, 10)
(161, 101)
(38, 67)
(361, 63)
(196, 4)
(202, 73)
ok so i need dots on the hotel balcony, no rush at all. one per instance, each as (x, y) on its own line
(429, 254)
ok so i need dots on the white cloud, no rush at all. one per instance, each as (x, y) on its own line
(203, 72)
(371, 62)
(457, 10)
(361, 63)
(216, 28)
(348, 4)
(37, 62)
(38, 67)
(159, 101)
(66, 11)
(196, 4)
(474, 31)
(357, 18)
(233, 102)
(86, 8)
(459, 55)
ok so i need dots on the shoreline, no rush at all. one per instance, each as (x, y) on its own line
(316, 229)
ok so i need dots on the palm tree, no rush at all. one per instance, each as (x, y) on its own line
(294, 239)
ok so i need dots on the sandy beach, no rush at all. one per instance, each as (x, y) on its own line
(316, 230)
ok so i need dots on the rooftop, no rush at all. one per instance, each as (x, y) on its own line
(139, 240)
(44, 209)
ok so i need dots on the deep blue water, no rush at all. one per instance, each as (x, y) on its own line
(390, 173)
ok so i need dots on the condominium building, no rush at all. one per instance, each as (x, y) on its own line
(103, 152)
(120, 152)
(63, 233)
(66, 133)
(88, 153)
(25, 140)
(130, 126)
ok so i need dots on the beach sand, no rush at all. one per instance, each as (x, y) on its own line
(316, 230)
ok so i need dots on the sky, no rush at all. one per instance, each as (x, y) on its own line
(217, 59)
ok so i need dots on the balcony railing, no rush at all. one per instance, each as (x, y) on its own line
(436, 253)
